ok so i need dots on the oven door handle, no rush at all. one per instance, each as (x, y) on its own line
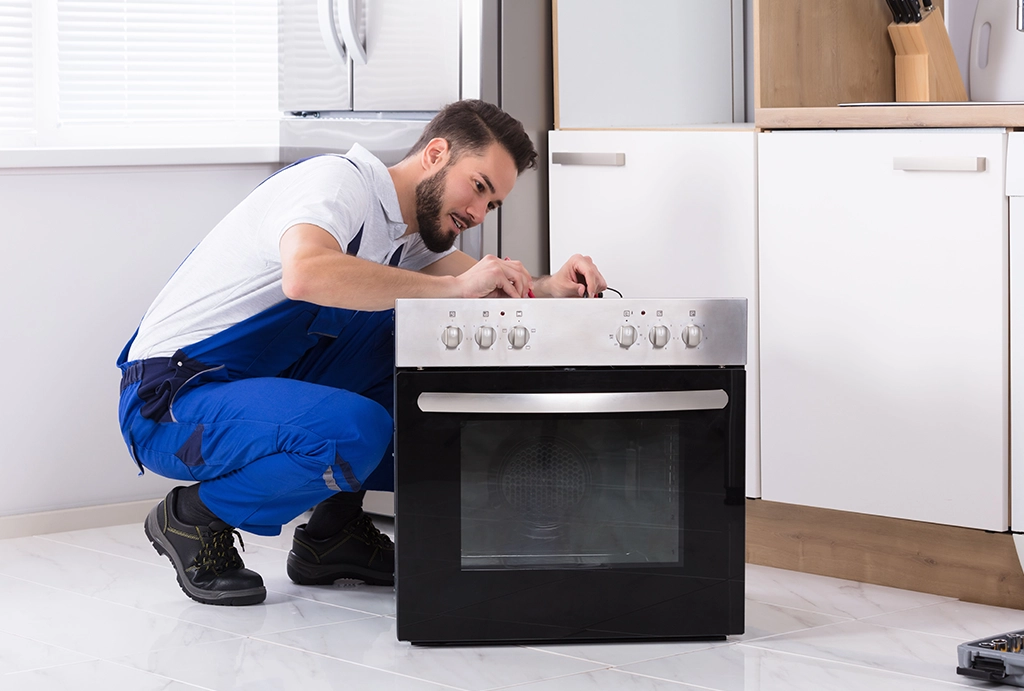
(596, 402)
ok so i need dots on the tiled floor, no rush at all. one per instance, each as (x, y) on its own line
(99, 609)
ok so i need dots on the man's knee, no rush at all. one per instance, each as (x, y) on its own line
(375, 430)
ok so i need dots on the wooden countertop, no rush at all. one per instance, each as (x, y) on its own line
(894, 116)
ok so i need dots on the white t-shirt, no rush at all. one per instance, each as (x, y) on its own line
(235, 272)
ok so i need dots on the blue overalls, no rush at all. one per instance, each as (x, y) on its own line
(272, 415)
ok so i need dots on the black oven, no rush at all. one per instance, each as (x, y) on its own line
(548, 503)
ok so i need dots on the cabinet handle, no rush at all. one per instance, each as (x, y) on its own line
(951, 164)
(579, 158)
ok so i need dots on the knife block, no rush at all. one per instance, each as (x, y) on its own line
(926, 68)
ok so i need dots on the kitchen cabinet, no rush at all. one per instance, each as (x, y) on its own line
(648, 63)
(809, 57)
(1015, 193)
(883, 260)
(663, 214)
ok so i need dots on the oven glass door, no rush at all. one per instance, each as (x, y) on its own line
(569, 504)
(576, 491)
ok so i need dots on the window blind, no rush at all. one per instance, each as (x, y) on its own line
(107, 73)
(17, 85)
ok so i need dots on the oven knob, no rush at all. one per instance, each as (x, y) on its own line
(485, 336)
(518, 336)
(451, 337)
(659, 336)
(692, 335)
(626, 335)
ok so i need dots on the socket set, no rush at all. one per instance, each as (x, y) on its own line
(997, 658)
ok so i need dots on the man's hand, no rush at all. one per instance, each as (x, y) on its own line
(492, 277)
(577, 277)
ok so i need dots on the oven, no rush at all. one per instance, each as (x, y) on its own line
(569, 470)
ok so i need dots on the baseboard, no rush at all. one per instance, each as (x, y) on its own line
(75, 519)
(44, 522)
(971, 565)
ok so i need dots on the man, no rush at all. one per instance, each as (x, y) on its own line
(263, 371)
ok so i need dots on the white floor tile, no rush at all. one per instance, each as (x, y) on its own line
(154, 589)
(867, 645)
(99, 609)
(18, 654)
(761, 620)
(617, 654)
(745, 668)
(90, 626)
(97, 675)
(79, 570)
(373, 642)
(265, 555)
(606, 680)
(257, 666)
(832, 596)
(962, 620)
(127, 541)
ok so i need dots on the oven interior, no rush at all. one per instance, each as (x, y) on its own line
(570, 492)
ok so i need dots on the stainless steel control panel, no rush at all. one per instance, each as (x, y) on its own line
(570, 332)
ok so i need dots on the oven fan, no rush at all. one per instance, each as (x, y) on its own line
(544, 479)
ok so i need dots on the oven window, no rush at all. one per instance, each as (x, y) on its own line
(565, 493)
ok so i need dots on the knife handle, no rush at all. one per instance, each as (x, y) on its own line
(897, 10)
(904, 8)
(912, 14)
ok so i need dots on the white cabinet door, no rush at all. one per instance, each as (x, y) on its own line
(884, 323)
(676, 219)
(311, 77)
(412, 56)
(1015, 191)
(648, 63)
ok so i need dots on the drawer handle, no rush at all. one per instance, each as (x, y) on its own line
(579, 158)
(952, 164)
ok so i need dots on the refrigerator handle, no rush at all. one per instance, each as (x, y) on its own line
(329, 32)
(348, 29)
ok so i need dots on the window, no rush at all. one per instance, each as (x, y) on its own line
(17, 90)
(119, 73)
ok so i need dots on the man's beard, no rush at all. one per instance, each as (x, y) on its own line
(428, 212)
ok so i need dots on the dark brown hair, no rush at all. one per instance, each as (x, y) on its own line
(471, 126)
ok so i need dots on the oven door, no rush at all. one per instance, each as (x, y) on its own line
(569, 504)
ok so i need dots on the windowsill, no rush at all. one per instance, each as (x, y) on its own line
(140, 156)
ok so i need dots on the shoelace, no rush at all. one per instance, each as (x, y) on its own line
(364, 527)
(219, 553)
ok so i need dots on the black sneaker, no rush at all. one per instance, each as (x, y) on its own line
(358, 551)
(204, 557)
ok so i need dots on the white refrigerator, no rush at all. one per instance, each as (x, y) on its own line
(374, 72)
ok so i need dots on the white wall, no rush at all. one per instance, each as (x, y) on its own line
(85, 251)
